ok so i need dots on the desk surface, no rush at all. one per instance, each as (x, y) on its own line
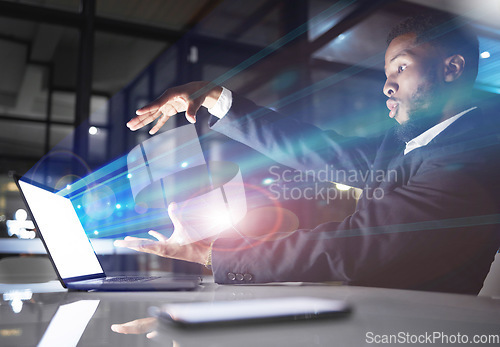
(378, 313)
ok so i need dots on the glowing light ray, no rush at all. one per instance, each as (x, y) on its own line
(95, 176)
(292, 35)
(313, 88)
(118, 164)
(132, 226)
(461, 222)
(155, 217)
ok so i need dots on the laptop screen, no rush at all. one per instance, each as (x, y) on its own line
(62, 232)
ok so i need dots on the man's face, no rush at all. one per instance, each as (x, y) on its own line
(414, 79)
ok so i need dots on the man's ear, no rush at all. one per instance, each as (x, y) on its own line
(453, 67)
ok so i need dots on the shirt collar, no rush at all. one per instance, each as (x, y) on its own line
(428, 135)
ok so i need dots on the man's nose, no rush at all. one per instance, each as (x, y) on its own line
(390, 87)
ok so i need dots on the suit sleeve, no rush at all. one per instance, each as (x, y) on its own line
(437, 232)
(297, 144)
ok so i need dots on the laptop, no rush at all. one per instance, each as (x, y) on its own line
(71, 252)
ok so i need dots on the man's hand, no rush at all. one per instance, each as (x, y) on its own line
(139, 326)
(186, 98)
(176, 247)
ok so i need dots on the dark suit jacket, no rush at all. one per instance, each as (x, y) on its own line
(433, 224)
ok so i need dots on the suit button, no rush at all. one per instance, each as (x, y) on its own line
(239, 277)
(231, 276)
(247, 277)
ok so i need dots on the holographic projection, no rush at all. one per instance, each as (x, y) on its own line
(132, 194)
(171, 168)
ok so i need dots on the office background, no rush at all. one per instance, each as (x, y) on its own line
(74, 72)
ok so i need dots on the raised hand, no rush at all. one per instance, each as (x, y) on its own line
(178, 246)
(186, 98)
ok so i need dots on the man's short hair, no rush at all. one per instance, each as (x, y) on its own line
(449, 32)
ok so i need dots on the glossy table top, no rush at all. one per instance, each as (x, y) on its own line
(58, 317)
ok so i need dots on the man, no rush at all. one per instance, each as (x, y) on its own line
(432, 226)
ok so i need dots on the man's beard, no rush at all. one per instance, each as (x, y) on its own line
(415, 126)
(424, 112)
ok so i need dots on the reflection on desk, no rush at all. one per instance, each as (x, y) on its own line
(378, 313)
(69, 323)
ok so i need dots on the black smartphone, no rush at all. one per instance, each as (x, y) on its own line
(201, 314)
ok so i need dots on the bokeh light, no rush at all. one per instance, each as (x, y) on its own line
(99, 203)
(66, 181)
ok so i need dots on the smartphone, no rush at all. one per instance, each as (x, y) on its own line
(201, 314)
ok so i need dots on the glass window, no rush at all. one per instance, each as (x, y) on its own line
(63, 106)
(60, 133)
(98, 145)
(21, 138)
(69, 5)
(165, 71)
(160, 13)
(13, 58)
(111, 72)
(98, 110)
(252, 22)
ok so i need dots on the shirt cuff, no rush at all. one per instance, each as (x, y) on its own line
(223, 104)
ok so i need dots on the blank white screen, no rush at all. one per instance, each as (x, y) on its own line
(62, 232)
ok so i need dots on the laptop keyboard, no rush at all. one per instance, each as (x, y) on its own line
(129, 279)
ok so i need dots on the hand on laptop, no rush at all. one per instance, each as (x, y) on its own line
(188, 97)
(176, 246)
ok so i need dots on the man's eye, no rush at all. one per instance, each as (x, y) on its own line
(401, 68)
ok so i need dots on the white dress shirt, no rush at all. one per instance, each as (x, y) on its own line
(223, 104)
(428, 135)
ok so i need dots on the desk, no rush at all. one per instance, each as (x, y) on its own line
(377, 312)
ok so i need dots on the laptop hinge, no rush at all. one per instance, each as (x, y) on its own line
(83, 278)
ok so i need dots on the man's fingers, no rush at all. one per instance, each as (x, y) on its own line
(157, 235)
(173, 101)
(134, 238)
(152, 106)
(152, 335)
(169, 109)
(161, 121)
(163, 112)
(178, 236)
(138, 326)
(172, 213)
(192, 109)
(142, 120)
(137, 244)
